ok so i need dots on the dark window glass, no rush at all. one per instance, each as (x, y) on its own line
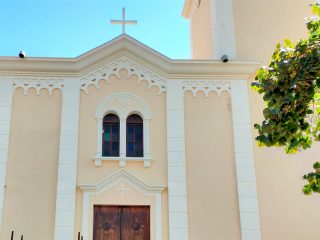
(111, 136)
(134, 136)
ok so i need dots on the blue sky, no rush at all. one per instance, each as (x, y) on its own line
(68, 28)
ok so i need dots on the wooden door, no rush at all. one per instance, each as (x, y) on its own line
(135, 223)
(121, 223)
(106, 223)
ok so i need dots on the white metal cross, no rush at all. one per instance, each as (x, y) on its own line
(123, 21)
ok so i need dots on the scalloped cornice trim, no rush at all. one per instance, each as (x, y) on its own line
(38, 84)
(206, 87)
(103, 73)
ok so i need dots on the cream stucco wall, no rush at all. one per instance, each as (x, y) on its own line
(88, 172)
(201, 32)
(30, 195)
(260, 25)
(279, 183)
(285, 213)
(211, 177)
(279, 176)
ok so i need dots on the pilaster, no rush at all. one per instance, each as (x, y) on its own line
(6, 95)
(67, 172)
(246, 179)
(223, 29)
(177, 191)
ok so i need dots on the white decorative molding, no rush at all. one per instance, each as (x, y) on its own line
(243, 148)
(6, 95)
(123, 182)
(123, 104)
(177, 187)
(206, 86)
(103, 73)
(123, 160)
(121, 175)
(38, 84)
(67, 169)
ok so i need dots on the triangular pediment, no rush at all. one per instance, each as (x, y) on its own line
(138, 53)
(121, 45)
(120, 176)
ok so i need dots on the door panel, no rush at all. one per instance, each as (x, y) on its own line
(135, 223)
(121, 223)
(107, 223)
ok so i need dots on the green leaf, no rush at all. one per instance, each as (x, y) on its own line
(290, 87)
(316, 165)
(288, 43)
(307, 189)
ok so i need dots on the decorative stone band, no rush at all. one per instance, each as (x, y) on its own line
(102, 73)
(38, 84)
(195, 86)
(206, 86)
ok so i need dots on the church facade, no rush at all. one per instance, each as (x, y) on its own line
(125, 143)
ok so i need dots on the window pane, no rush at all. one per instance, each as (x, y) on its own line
(134, 136)
(134, 118)
(115, 149)
(115, 133)
(106, 136)
(107, 149)
(130, 147)
(138, 133)
(130, 133)
(139, 149)
(110, 143)
(111, 118)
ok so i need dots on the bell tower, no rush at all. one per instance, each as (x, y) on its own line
(212, 28)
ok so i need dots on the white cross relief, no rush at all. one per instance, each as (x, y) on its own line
(123, 21)
(122, 189)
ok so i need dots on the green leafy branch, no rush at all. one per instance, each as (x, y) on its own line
(290, 86)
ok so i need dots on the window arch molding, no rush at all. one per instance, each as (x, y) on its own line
(123, 105)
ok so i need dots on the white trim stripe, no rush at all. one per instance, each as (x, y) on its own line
(223, 29)
(67, 173)
(246, 179)
(177, 191)
(6, 94)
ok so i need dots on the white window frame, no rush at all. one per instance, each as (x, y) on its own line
(123, 105)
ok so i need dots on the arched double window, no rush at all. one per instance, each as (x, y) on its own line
(134, 138)
(123, 130)
(111, 136)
